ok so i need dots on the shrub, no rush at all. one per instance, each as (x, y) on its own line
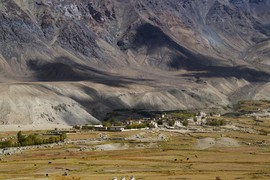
(76, 127)
(136, 126)
(264, 132)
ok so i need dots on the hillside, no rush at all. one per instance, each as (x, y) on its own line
(70, 62)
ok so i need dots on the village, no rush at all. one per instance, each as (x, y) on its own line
(171, 120)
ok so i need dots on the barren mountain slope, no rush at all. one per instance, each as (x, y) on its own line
(88, 57)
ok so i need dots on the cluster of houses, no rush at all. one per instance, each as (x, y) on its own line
(199, 119)
(164, 118)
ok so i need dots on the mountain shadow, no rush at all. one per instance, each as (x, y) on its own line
(251, 75)
(65, 69)
(153, 38)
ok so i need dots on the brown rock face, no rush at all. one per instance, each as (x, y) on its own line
(100, 55)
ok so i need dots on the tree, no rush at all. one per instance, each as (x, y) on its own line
(19, 135)
(116, 122)
(185, 123)
(215, 122)
(7, 143)
(160, 122)
(63, 136)
(150, 125)
(28, 141)
(34, 139)
(171, 122)
(106, 124)
(20, 138)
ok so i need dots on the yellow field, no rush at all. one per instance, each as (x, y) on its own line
(176, 158)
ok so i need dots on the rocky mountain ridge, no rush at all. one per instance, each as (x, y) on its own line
(97, 55)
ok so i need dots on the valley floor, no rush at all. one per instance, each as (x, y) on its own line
(146, 154)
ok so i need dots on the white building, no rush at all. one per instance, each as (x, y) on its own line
(177, 124)
(153, 123)
(117, 128)
(201, 118)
